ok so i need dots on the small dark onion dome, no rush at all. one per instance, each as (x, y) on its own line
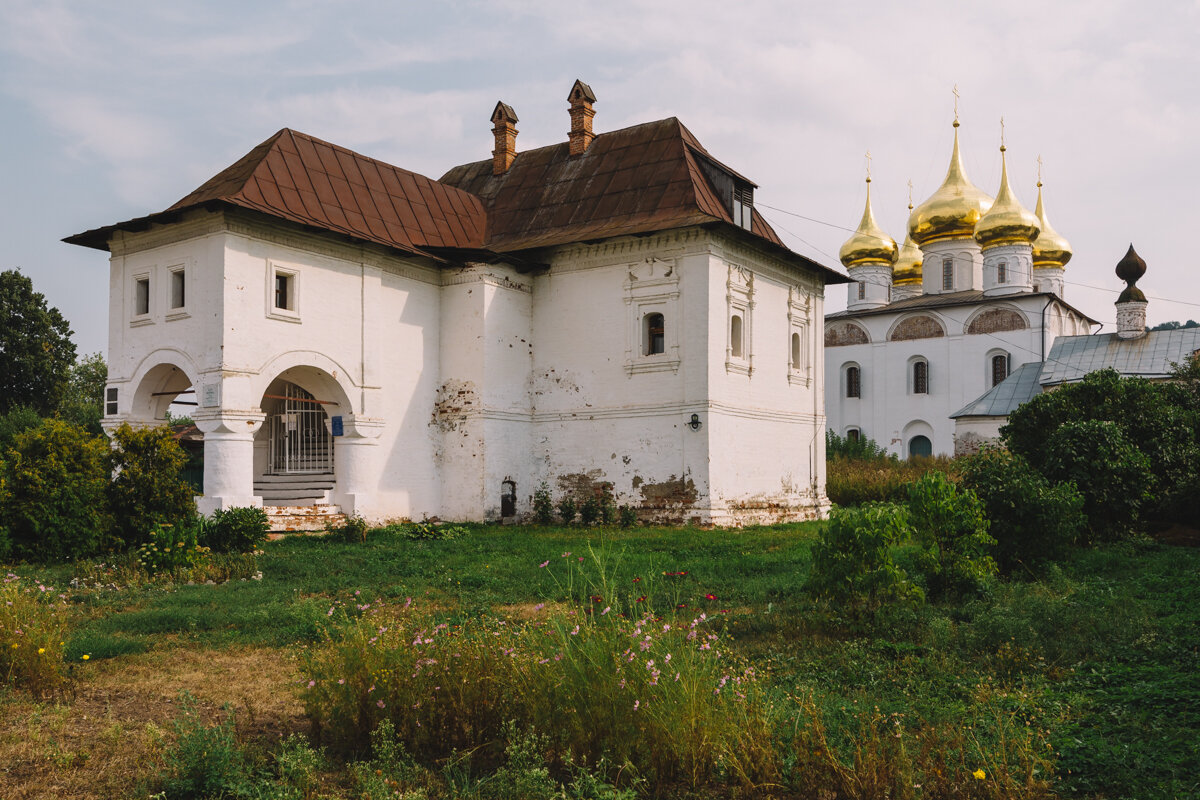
(1129, 269)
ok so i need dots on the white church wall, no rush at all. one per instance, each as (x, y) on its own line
(766, 418)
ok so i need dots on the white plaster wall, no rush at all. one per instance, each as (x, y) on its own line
(959, 372)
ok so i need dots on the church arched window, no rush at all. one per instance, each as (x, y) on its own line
(920, 376)
(999, 368)
(853, 381)
(735, 336)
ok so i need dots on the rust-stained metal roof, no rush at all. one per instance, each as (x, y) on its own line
(637, 180)
(303, 179)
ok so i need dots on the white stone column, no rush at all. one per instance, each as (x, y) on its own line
(354, 469)
(228, 459)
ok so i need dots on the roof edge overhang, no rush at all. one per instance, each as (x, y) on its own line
(889, 309)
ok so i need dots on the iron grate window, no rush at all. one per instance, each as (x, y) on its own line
(999, 369)
(920, 377)
(853, 382)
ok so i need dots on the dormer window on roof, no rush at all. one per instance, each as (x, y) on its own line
(736, 192)
(743, 205)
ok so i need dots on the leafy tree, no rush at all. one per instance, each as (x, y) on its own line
(17, 420)
(52, 484)
(1159, 420)
(36, 351)
(83, 402)
(1032, 520)
(1112, 475)
(147, 488)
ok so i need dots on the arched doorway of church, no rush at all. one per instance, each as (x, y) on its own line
(920, 446)
(294, 448)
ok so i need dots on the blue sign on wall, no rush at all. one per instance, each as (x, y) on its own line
(335, 423)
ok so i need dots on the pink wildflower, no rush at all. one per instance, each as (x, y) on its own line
(545, 563)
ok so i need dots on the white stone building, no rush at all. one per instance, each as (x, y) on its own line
(974, 293)
(609, 310)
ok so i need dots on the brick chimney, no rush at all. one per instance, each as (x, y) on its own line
(581, 99)
(504, 121)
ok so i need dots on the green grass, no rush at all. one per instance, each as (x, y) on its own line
(1099, 656)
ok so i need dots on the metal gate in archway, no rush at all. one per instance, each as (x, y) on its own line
(299, 434)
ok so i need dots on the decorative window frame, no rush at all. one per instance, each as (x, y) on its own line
(652, 287)
(739, 300)
(182, 312)
(136, 319)
(799, 322)
(292, 314)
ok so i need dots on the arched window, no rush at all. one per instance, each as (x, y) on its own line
(853, 382)
(920, 447)
(654, 340)
(795, 350)
(853, 435)
(735, 336)
(999, 368)
(920, 377)
(1002, 272)
(947, 274)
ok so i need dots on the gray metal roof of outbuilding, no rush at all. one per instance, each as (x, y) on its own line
(1003, 398)
(1151, 356)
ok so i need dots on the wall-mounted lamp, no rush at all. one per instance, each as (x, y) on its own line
(694, 423)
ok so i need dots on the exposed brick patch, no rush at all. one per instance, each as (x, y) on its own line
(455, 399)
(919, 327)
(995, 320)
(843, 333)
(583, 485)
(968, 444)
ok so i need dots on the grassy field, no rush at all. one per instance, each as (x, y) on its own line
(1086, 675)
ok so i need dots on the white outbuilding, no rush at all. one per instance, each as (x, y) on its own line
(608, 313)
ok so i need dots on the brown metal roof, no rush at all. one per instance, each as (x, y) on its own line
(641, 179)
(303, 179)
(636, 180)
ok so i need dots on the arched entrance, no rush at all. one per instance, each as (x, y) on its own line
(920, 447)
(298, 432)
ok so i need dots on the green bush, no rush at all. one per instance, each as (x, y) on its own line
(567, 510)
(1161, 420)
(1111, 474)
(627, 516)
(949, 525)
(172, 550)
(543, 505)
(589, 511)
(52, 493)
(354, 531)
(852, 562)
(860, 449)
(147, 486)
(236, 530)
(1032, 520)
(420, 531)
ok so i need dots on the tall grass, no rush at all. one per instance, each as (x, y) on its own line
(661, 693)
(853, 481)
(32, 627)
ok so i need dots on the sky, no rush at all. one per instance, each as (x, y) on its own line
(110, 111)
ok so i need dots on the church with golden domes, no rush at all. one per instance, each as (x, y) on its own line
(975, 292)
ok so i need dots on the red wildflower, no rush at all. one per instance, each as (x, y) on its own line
(597, 598)
(642, 599)
(710, 596)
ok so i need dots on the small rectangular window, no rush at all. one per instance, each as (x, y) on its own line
(1002, 272)
(735, 336)
(178, 288)
(110, 401)
(862, 290)
(283, 291)
(655, 335)
(853, 382)
(141, 300)
(852, 435)
(947, 274)
(920, 378)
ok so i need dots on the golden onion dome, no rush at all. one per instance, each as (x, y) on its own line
(952, 211)
(1007, 221)
(869, 244)
(1050, 249)
(908, 267)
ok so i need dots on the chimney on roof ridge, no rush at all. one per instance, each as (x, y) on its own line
(581, 99)
(504, 128)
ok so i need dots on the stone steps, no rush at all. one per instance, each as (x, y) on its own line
(294, 490)
(298, 518)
